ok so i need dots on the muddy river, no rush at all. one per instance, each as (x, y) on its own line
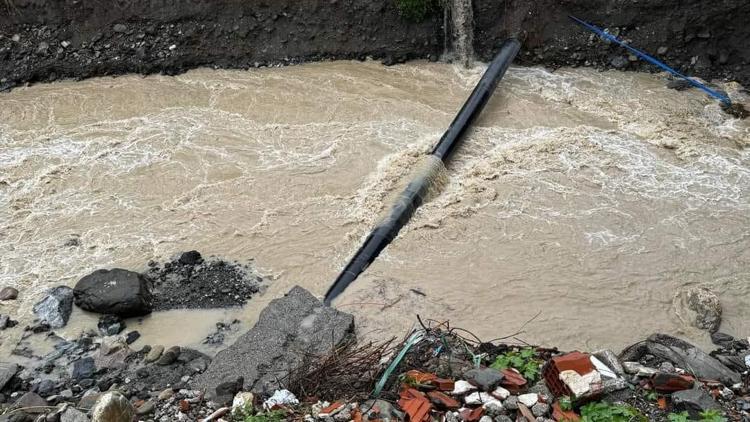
(583, 200)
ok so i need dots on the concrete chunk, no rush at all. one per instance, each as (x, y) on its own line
(291, 327)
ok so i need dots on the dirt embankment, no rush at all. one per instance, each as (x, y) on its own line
(43, 40)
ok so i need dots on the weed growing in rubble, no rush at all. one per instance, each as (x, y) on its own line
(524, 361)
(706, 416)
(605, 412)
(247, 414)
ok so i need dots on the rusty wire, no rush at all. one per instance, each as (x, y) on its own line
(346, 373)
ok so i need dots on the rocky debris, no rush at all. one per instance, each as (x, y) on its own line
(169, 356)
(72, 414)
(683, 355)
(113, 407)
(6, 322)
(700, 307)
(118, 292)
(31, 402)
(290, 327)
(217, 337)
(110, 325)
(54, 310)
(202, 283)
(8, 293)
(7, 371)
(83, 368)
(694, 401)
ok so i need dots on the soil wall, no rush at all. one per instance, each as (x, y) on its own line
(43, 40)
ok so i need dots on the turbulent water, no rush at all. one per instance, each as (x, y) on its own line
(583, 201)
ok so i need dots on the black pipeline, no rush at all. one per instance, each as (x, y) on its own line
(414, 193)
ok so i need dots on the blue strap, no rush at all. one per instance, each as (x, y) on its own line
(723, 98)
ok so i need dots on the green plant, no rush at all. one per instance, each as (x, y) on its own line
(524, 361)
(712, 416)
(651, 395)
(678, 417)
(706, 416)
(416, 10)
(605, 412)
(247, 414)
(566, 403)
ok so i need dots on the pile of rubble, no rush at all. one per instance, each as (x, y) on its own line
(301, 362)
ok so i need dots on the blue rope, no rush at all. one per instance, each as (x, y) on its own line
(723, 98)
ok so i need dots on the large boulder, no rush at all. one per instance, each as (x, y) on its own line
(54, 310)
(118, 292)
(288, 329)
(699, 307)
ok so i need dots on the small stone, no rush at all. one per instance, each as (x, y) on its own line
(8, 293)
(462, 387)
(89, 399)
(667, 366)
(619, 62)
(65, 44)
(45, 387)
(485, 419)
(132, 336)
(478, 398)
(484, 378)
(501, 393)
(154, 353)
(632, 58)
(694, 401)
(72, 414)
(16, 38)
(66, 394)
(83, 368)
(662, 50)
(198, 365)
(166, 394)
(146, 408)
(493, 408)
(503, 418)
(190, 257)
(528, 400)
(242, 400)
(110, 325)
(31, 400)
(635, 368)
(54, 310)
(120, 28)
(511, 403)
(172, 47)
(112, 407)
(169, 357)
(540, 409)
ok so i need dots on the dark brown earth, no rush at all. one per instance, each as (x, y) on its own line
(44, 40)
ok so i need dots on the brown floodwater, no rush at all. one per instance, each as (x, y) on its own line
(583, 201)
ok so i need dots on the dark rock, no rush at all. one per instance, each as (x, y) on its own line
(54, 310)
(7, 371)
(8, 293)
(86, 383)
(110, 325)
(83, 368)
(45, 388)
(32, 403)
(684, 355)
(288, 329)
(191, 258)
(169, 357)
(722, 339)
(619, 62)
(119, 28)
(119, 292)
(198, 365)
(694, 401)
(485, 378)
(132, 336)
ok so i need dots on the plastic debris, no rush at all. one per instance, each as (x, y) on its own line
(280, 398)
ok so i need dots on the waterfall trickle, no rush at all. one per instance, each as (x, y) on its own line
(459, 31)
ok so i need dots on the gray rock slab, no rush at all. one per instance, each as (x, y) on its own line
(7, 371)
(288, 329)
(686, 356)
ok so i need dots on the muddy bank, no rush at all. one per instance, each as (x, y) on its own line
(44, 41)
